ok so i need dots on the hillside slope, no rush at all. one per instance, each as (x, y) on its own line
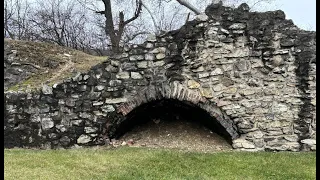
(28, 65)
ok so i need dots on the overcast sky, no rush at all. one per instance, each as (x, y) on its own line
(303, 13)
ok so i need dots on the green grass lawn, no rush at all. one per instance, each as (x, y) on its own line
(143, 163)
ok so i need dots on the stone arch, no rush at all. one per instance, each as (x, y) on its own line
(179, 92)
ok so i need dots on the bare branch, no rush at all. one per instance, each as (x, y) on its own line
(136, 14)
(189, 6)
(157, 29)
(134, 36)
(100, 12)
(187, 19)
(258, 2)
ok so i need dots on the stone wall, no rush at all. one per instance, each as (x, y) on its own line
(253, 72)
(15, 69)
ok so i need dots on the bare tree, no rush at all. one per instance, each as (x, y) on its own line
(62, 22)
(119, 31)
(86, 26)
(115, 34)
(8, 13)
(16, 24)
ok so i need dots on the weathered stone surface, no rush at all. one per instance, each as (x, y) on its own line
(61, 128)
(90, 129)
(65, 140)
(99, 88)
(158, 50)
(218, 87)
(279, 108)
(142, 64)
(149, 57)
(123, 75)
(199, 69)
(115, 83)
(46, 89)
(203, 75)
(255, 134)
(223, 103)
(309, 141)
(76, 122)
(47, 123)
(149, 45)
(85, 115)
(156, 64)
(115, 100)
(135, 75)
(136, 57)
(97, 103)
(247, 92)
(216, 71)
(151, 38)
(83, 139)
(202, 17)
(277, 60)
(242, 143)
(70, 102)
(231, 90)
(160, 56)
(206, 92)
(192, 84)
(128, 66)
(237, 26)
(108, 108)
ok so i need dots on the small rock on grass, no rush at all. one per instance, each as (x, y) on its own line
(123, 143)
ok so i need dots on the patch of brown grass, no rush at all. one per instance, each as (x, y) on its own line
(67, 62)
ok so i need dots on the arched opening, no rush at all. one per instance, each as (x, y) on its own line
(166, 112)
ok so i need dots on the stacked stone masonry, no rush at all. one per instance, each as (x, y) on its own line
(254, 72)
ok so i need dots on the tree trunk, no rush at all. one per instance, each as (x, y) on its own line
(109, 27)
(115, 35)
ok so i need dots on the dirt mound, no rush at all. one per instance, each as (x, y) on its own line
(28, 65)
(182, 135)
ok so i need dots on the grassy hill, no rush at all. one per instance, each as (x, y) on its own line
(44, 63)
